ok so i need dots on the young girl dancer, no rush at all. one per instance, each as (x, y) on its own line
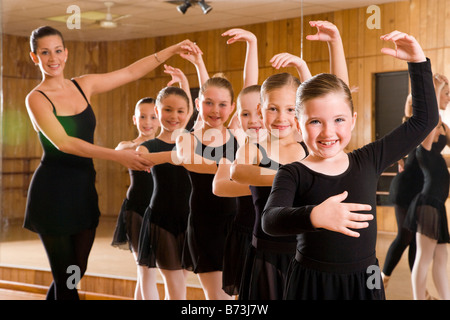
(307, 199)
(247, 126)
(201, 152)
(427, 215)
(165, 221)
(62, 204)
(240, 235)
(129, 221)
(268, 257)
(256, 165)
(404, 188)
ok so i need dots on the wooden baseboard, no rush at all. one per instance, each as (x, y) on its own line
(91, 287)
(42, 290)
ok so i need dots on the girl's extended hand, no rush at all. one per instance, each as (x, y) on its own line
(177, 75)
(283, 60)
(237, 34)
(406, 47)
(326, 31)
(334, 215)
(132, 159)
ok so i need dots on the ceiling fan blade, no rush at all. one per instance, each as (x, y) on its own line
(122, 17)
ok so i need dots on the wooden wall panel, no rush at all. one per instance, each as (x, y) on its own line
(427, 20)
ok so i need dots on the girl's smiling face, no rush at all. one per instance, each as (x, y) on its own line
(249, 115)
(172, 112)
(146, 120)
(326, 123)
(279, 111)
(50, 55)
(215, 106)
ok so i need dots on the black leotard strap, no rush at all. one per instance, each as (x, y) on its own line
(79, 88)
(266, 162)
(304, 148)
(54, 109)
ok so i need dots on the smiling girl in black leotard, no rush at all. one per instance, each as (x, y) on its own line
(336, 243)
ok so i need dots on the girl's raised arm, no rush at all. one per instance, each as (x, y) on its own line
(179, 77)
(328, 32)
(284, 60)
(196, 58)
(251, 57)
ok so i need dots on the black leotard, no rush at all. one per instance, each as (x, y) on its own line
(427, 213)
(62, 198)
(165, 221)
(298, 189)
(408, 183)
(269, 257)
(210, 216)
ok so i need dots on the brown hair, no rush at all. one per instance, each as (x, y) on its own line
(42, 32)
(168, 91)
(319, 86)
(218, 82)
(277, 81)
(143, 100)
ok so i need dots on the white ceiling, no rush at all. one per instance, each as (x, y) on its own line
(151, 18)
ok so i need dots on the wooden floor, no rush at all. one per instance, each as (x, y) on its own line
(23, 249)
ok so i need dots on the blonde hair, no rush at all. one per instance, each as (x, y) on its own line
(277, 81)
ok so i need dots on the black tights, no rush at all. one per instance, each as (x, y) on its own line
(404, 239)
(62, 252)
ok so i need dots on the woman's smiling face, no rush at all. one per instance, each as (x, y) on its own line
(50, 55)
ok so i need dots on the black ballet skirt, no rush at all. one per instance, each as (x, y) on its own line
(427, 213)
(237, 244)
(62, 199)
(128, 225)
(210, 216)
(162, 235)
(268, 257)
(309, 279)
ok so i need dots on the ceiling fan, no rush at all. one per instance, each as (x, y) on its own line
(109, 22)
